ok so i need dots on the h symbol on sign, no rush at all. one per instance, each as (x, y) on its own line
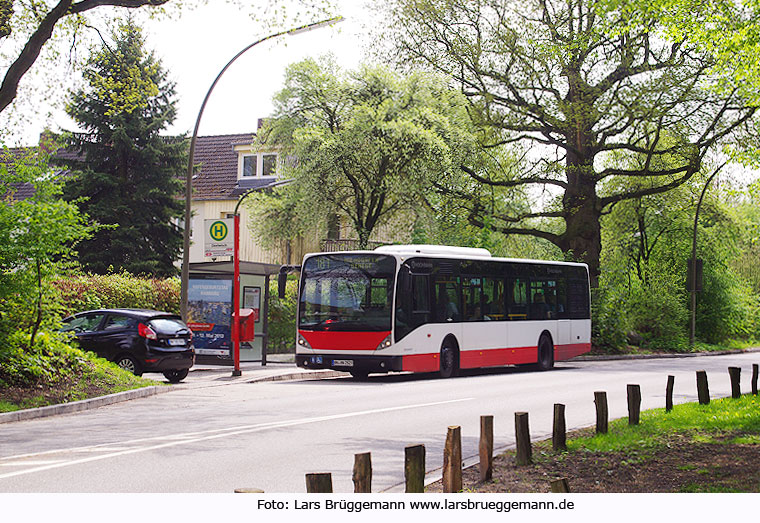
(218, 229)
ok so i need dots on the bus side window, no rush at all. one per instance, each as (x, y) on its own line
(447, 301)
(420, 300)
(518, 299)
(493, 299)
(472, 291)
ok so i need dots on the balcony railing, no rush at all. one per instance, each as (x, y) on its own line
(345, 245)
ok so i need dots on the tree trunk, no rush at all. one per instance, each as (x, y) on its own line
(582, 239)
(38, 307)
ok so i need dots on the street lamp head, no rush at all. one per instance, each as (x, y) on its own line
(315, 25)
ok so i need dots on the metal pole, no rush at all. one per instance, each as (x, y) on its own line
(236, 297)
(185, 277)
(693, 326)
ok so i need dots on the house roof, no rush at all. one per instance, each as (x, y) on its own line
(215, 158)
(216, 177)
(16, 191)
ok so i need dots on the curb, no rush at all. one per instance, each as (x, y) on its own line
(102, 401)
(315, 374)
(613, 357)
(78, 406)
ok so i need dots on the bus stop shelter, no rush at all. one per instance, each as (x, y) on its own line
(210, 310)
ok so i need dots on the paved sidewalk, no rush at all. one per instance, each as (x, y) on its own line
(200, 376)
(211, 375)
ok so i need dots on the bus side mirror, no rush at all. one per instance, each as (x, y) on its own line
(282, 279)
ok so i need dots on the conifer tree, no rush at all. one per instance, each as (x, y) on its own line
(127, 172)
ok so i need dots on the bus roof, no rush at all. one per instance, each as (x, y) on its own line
(445, 251)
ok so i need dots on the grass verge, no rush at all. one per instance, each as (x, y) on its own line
(693, 448)
(55, 372)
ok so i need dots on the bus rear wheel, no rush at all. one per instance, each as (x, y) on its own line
(448, 360)
(545, 353)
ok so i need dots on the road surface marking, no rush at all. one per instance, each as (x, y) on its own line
(220, 433)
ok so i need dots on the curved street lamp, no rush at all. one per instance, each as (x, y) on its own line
(693, 275)
(185, 278)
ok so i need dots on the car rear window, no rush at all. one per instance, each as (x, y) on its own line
(167, 325)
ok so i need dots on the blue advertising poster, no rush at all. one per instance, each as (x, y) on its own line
(210, 315)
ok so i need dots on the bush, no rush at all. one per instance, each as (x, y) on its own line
(608, 312)
(659, 314)
(727, 306)
(282, 317)
(122, 290)
(50, 360)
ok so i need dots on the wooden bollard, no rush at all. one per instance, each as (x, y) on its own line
(634, 404)
(559, 429)
(319, 483)
(452, 460)
(600, 399)
(754, 378)
(362, 475)
(669, 393)
(703, 391)
(414, 468)
(735, 375)
(559, 485)
(524, 455)
(485, 448)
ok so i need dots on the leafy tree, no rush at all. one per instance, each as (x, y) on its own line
(574, 84)
(368, 144)
(647, 242)
(128, 178)
(38, 234)
(30, 31)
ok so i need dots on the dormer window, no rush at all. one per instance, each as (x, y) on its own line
(256, 165)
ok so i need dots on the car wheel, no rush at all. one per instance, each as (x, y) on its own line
(448, 363)
(545, 354)
(175, 376)
(129, 363)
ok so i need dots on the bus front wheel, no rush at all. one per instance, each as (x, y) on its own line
(448, 362)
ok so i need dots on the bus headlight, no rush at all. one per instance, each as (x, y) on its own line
(302, 342)
(385, 343)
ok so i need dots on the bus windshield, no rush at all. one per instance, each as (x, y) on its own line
(347, 292)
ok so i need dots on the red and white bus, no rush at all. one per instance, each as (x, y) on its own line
(428, 308)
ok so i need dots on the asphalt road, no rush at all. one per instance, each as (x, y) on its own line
(269, 435)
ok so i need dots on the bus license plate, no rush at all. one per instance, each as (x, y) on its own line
(343, 363)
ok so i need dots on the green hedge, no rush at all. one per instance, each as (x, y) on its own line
(89, 291)
(282, 317)
(86, 292)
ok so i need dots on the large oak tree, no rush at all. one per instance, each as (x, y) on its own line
(580, 88)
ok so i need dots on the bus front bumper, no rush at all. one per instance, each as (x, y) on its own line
(349, 362)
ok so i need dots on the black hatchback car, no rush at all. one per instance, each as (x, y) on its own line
(136, 340)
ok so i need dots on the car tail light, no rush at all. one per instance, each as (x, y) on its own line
(146, 332)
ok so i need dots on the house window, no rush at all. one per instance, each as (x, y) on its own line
(249, 165)
(268, 164)
(252, 165)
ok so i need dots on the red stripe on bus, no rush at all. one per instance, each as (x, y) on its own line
(420, 363)
(331, 340)
(565, 352)
(472, 359)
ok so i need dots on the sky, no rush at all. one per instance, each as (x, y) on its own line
(195, 47)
